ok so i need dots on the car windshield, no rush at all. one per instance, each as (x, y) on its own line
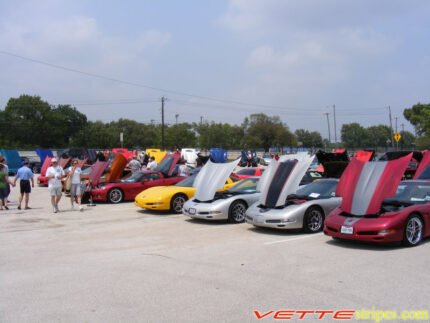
(133, 178)
(164, 165)
(318, 189)
(248, 185)
(246, 171)
(187, 182)
(425, 174)
(413, 192)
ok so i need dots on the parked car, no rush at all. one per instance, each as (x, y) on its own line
(265, 159)
(128, 188)
(375, 208)
(229, 205)
(164, 198)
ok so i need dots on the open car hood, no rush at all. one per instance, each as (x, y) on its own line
(45, 165)
(364, 185)
(211, 178)
(282, 178)
(117, 167)
(97, 169)
(334, 163)
(63, 162)
(168, 163)
(364, 155)
(391, 155)
(423, 164)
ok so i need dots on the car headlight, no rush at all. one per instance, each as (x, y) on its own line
(215, 212)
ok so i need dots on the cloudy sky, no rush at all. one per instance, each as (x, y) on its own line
(218, 59)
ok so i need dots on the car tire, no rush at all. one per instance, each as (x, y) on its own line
(177, 202)
(413, 231)
(115, 196)
(313, 221)
(236, 213)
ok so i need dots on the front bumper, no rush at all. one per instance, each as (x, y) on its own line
(378, 230)
(99, 195)
(273, 218)
(42, 180)
(152, 205)
(204, 212)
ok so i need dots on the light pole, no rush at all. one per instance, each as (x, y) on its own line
(176, 117)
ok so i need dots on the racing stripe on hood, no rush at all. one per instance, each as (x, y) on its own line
(364, 185)
(283, 178)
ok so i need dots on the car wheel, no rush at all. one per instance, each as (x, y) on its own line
(413, 231)
(177, 203)
(115, 196)
(237, 212)
(314, 220)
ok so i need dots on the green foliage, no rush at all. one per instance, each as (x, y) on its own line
(264, 131)
(419, 117)
(308, 138)
(354, 135)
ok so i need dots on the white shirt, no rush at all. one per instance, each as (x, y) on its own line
(76, 177)
(57, 172)
(183, 170)
(152, 165)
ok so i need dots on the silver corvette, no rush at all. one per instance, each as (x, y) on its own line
(228, 205)
(306, 209)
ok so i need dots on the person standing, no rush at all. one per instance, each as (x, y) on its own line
(134, 165)
(75, 189)
(6, 170)
(183, 168)
(152, 164)
(25, 175)
(55, 173)
(4, 183)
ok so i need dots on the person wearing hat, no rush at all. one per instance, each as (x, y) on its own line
(55, 173)
(25, 175)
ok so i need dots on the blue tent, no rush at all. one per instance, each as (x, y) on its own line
(43, 153)
(12, 158)
(218, 155)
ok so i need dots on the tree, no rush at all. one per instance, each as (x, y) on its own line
(180, 135)
(377, 136)
(353, 135)
(419, 116)
(309, 139)
(264, 131)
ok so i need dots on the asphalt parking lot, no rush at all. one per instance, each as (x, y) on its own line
(115, 263)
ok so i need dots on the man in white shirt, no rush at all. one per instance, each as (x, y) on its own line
(55, 173)
(134, 165)
(74, 172)
(152, 163)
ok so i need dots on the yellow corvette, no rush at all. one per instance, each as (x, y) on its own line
(164, 198)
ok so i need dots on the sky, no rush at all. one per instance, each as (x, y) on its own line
(220, 60)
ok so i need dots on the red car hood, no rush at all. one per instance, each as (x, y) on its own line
(423, 164)
(364, 155)
(364, 185)
(45, 165)
(117, 167)
(97, 170)
(281, 179)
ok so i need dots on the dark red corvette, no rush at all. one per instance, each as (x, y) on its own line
(375, 208)
(126, 189)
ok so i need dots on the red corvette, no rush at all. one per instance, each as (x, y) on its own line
(126, 189)
(375, 208)
(248, 172)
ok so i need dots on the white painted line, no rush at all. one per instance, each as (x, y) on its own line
(292, 239)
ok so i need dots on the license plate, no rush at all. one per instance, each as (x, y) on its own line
(192, 211)
(346, 230)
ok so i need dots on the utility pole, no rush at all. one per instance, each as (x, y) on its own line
(391, 127)
(334, 118)
(403, 132)
(328, 125)
(397, 143)
(176, 116)
(162, 122)
(201, 120)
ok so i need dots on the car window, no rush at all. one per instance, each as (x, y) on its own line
(246, 171)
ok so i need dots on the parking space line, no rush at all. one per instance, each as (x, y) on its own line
(292, 239)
